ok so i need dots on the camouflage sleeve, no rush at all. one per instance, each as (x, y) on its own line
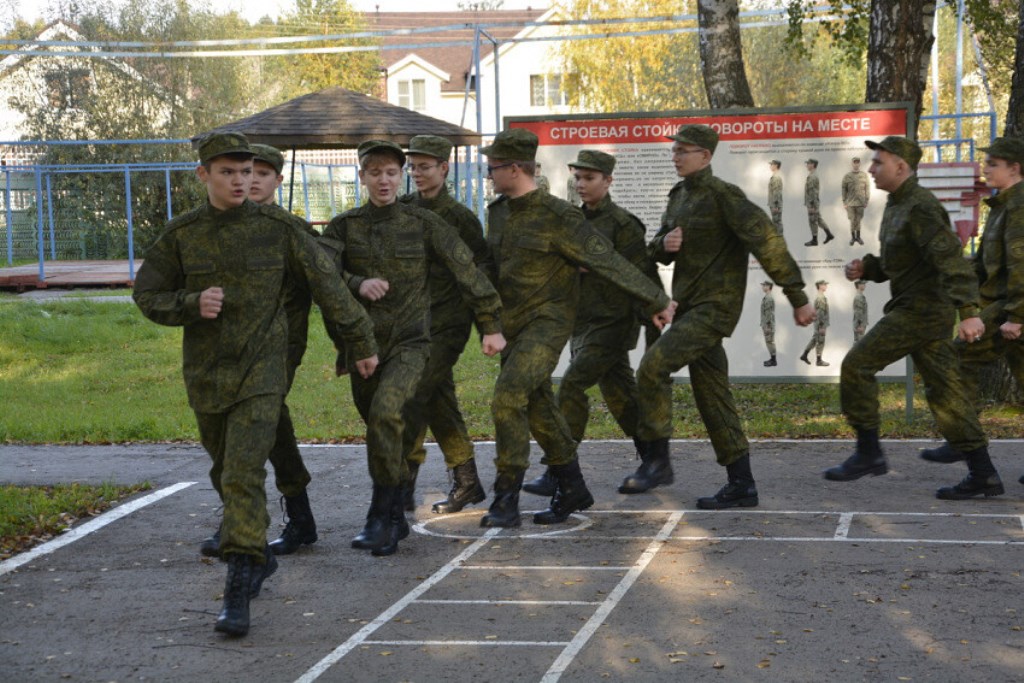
(755, 229)
(472, 233)
(159, 289)
(629, 241)
(344, 318)
(873, 269)
(333, 241)
(1014, 241)
(941, 248)
(477, 290)
(585, 246)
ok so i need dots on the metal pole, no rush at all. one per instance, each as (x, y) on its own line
(330, 183)
(10, 218)
(959, 74)
(49, 213)
(167, 190)
(39, 222)
(305, 191)
(291, 184)
(131, 229)
(909, 385)
(935, 85)
(479, 127)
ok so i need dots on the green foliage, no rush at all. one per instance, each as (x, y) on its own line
(32, 514)
(845, 27)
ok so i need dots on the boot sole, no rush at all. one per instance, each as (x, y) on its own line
(537, 519)
(441, 508)
(950, 494)
(628, 490)
(721, 505)
(844, 476)
(231, 629)
(283, 549)
(494, 524)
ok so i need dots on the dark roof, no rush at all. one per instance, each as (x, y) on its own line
(340, 118)
(456, 60)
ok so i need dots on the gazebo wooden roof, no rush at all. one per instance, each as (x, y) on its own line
(336, 118)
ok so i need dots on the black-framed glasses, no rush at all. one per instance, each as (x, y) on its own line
(420, 168)
(492, 169)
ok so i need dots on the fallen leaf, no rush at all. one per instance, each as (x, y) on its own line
(764, 664)
(634, 660)
(717, 665)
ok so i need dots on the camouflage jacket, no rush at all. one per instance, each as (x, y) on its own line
(399, 243)
(856, 189)
(608, 316)
(812, 188)
(721, 229)
(539, 242)
(297, 302)
(775, 192)
(821, 311)
(999, 262)
(860, 311)
(768, 312)
(447, 309)
(254, 253)
(921, 258)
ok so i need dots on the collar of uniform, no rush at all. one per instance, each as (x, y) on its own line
(602, 206)
(224, 215)
(901, 192)
(523, 201)
(380, 213)
(437, 201)
(1004, 196)
(699, 178)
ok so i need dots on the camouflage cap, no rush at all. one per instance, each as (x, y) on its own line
(775, 162)
(218, 144)
(431, 145)
(698, 134)
(856, 160)
(269, 155)
(385, 146)
(819, 283)
(767, 283)
(812, 161)
(595, 160)
(904, 148)
(1011, 149)
(513, 144)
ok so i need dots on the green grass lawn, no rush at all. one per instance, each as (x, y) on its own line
(84, 372)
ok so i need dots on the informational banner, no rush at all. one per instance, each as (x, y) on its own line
(819, 196)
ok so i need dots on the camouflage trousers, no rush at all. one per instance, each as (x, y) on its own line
(777, 218)
(990, 348)
(769, 339)
(893, 337)
(239, 442)
(609, 369)
(381, 401)
(524, 403)
(855, 214)
(290, 474)
(815, 221)
(436, 405)
(817, 342)
(690, 342)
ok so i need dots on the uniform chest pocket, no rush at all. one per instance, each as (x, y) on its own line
(409, 246)
(535, 244)
(264, 263)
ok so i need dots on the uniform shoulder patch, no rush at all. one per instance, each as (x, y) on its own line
(323, 261)
(184, 219)
(1016, 248)
(462, 254)
(944, 243)
(596, 244)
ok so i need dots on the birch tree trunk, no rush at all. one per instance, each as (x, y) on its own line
(721, 54)
(899, 46)
(1015, 110)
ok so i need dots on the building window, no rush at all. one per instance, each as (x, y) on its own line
(546, 90)
(413, 94)
(68, 89)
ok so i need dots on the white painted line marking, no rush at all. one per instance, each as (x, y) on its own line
(508, 602)
(1022, 522)
(843, 530)
(92, 525)
(613, 599)
(430, 643)
(387, 615)
(547, 567)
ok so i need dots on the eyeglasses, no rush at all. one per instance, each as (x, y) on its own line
(420, 168)
(492, 169)
(681, 152)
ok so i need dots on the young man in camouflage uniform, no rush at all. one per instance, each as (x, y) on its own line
(860, 311)
(821, 324)
(775, 193)
(856, 193)
(451, 321)
(384, 251)
(607, 318)
(768, 322)
(539, 242)
(709, 231)
(930, 281)
(812, 200)
(999, 266)
(222, 271)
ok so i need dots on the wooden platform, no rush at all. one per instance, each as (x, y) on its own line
(68, 274)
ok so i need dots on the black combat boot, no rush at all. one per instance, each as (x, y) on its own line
(867, 459)
(262, 572)
(544, 485)
(640, 446)
(944, 454)
(981, 480)
(812, 243)
(210, 547)
(466, 489)
(234, 614)
(378, 519)
(299, 530)
(828, 236)
(409, 497)
(740, 492)
(572, 494)
(859, 240)
(399, 526)
(771, 362)
(821, 364)
(655, 469)
(805, 359)
(504, 510)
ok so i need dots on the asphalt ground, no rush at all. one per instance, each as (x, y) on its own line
(873, 580)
